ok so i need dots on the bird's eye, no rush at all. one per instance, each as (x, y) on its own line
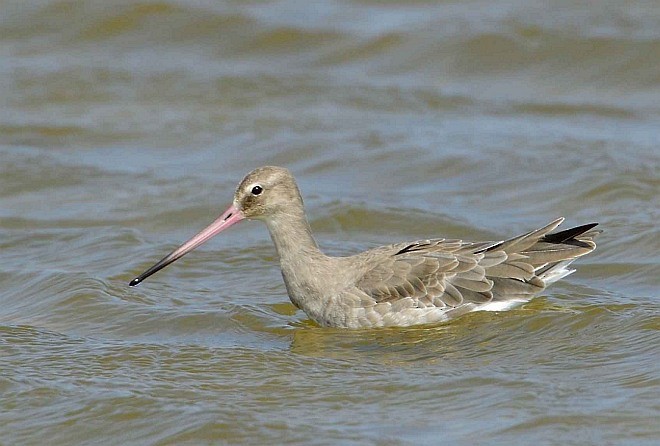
(256, 190)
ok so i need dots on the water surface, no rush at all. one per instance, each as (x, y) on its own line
(125, 126)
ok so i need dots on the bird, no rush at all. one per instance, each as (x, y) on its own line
(398, 285)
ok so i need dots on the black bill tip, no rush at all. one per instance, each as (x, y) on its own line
(135, 281)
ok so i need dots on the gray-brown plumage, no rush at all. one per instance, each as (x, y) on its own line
(397, 285)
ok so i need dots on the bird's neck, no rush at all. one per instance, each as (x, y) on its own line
(293, 238)
(304, 266)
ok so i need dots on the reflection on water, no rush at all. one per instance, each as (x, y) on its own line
(124, 127)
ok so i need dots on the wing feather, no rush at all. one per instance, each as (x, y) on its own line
(434, 273)
(449, 274)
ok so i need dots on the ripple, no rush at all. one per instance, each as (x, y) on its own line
(124, 128)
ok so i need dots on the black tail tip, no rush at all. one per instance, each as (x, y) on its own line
(135, 282)
(568, 236)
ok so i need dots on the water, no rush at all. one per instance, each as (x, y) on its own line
(124, 127)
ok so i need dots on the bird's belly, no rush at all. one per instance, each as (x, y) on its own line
(399, 314)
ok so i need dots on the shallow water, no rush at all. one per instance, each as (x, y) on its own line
(124, 127)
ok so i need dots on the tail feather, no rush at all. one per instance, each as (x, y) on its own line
(552, 273)
(569, 244)
(568, 237)
(522, 242)
(539, 258)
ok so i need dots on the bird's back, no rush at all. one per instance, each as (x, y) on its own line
(432, 280)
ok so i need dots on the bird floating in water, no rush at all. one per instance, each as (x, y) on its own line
(403, 284)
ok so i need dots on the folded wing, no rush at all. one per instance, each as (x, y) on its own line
(452, 273)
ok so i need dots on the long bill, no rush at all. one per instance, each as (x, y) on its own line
(231, 216)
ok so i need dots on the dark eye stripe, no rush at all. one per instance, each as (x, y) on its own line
(256, 190)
